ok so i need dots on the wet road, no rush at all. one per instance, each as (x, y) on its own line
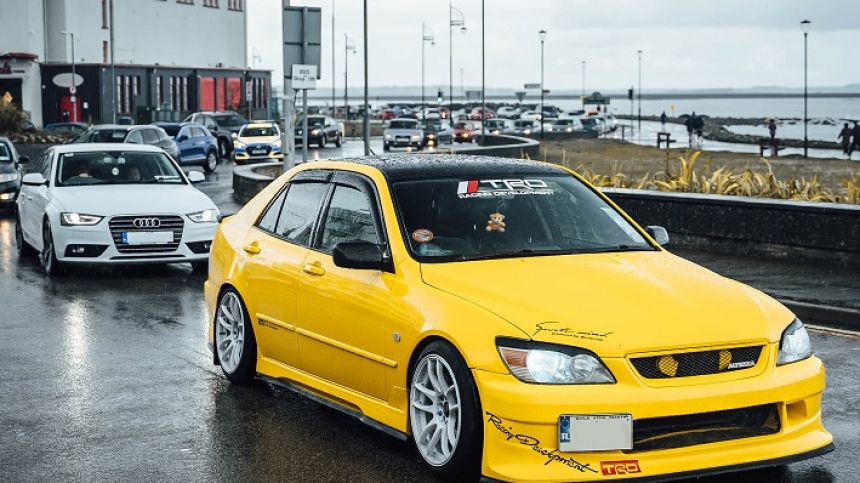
(105, 376)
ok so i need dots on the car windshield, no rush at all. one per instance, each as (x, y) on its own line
(170, 129)
(102, 136)
(403, 125)
(524, 123)
(504, 216)
(5, 155)
(254, 132)
(589, 122)
(313, 122)
(116, 167)
(229, 120)
(431, 126)
(461, 125)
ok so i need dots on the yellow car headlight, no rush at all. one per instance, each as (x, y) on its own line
(543, 363)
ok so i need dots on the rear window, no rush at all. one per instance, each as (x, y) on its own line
(171, 130)
(102, 136)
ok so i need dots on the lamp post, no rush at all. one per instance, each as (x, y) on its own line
(366, 121)
(483, 75)
(333, 95)
(639, 118)
(74, 115)
(804, 25)
(583, 81)
(455, 19)
(346, 50)
(426, 36)
(542, 35)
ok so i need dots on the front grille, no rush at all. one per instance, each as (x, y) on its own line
(697, 363)
(692, 429)
(257, 150)
(120, 224)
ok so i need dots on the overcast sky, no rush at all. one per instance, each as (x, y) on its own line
(687, 44)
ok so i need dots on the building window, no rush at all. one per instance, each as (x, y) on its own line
(105, 21)
(159, 92)
(174, 93)
(234, 5)
(105, 51)
(118, 96)
(210, 3)
(185, 94)
(185, 2)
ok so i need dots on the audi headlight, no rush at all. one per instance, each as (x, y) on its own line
(78, 219)
(527, 131)
(277, 143)
(205, 216)
(795, 345)
(552, 364)
(315, 132)
(5, 177)
(415, 137)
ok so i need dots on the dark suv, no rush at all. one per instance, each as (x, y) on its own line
(321, 130)
(222, 124)
(113, 133)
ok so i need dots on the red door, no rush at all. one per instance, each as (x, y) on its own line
(70, 108)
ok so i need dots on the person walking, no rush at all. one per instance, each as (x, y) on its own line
(845, 137)
(771, 127)
(691, 126)
(855, 139)
(663, 119)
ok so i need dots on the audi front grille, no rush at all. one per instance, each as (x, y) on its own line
(124, 224)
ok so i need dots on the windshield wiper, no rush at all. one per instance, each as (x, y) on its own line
(616, 248)
(525, 252)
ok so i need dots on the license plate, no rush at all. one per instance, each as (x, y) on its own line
(595, 432)
(258, 151)
(402, 139)
(147, 237)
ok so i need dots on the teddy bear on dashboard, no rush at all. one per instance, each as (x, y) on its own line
(496, 222)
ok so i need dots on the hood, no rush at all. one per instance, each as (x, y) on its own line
(124, 199)
(259, 139)
(615, 303)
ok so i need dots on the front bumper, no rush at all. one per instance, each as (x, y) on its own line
(94, 245)
(8, 191)
(394, 143)
(521, 423)
(241, 155)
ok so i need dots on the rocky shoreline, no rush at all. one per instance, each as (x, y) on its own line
(715, 130)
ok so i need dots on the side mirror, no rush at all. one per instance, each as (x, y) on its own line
(23, 159)
(34, 179)
(659, 234)
(196, 176)
(212, 127)
(359, 255)
(181, 138)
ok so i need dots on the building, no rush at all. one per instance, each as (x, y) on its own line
(171, 58)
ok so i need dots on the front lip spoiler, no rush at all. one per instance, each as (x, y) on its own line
(755, 465)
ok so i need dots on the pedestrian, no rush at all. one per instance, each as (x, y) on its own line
(855, 139)
(691, 125)
(700, 128)
(771, 127)
(845, 137)
(663, 119)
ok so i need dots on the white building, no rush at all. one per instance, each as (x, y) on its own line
(191, 35)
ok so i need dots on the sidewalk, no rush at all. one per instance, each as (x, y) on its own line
(818, 293)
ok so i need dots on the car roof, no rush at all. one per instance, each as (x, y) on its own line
(259, 124)
(87, 147)
(399, 167)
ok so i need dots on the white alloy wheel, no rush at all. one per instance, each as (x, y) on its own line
(230, 332)
(435, 410)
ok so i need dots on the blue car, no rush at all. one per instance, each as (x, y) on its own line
(197, 146)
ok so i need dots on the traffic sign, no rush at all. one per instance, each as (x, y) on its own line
(304, 76)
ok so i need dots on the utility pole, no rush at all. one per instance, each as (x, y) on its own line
(460, 21)
(639, 121)
(483, 75)
(333, 76)
(73, 116)
(582, 97)
(542, 35)
(425, 37)
(113, 67)
(346, 49)
(804, 25)
(366, 123)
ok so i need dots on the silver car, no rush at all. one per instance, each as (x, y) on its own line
(403, 133)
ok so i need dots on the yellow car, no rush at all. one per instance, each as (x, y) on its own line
(257, 141)
(510, 320)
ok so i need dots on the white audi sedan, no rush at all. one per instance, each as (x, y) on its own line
(113, 204)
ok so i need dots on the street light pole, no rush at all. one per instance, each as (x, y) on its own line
(346, 49)
(483, 77)
(366, 120)
(804, 25)
(639, 118)
(425, 37)
(459, 21)
(583, 81)
(333, 95)
(542, 35)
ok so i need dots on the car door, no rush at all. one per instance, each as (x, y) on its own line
(343, 314)
(185, 143)
(40, 197)
(275, 250)
(26, 208)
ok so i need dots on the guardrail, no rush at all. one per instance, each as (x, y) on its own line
(828, 232)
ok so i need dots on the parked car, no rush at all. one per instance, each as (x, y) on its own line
(437, 132)
(388, 114)
(10, 172)
(429, 113)
(590, 124)
(321, 131)
(466, 131)
(499, 126)
(197, 146)
(113, 204)
(508, 112)
(530, 115)
(526, 127)
(258, 142)
(66, 128)
(567, 125)
(136, 134)
(222, 124)
(402, 133)
(475, 115)
(510, 319)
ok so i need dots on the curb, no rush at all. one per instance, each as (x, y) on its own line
(823, 315)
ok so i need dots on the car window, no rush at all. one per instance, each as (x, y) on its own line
(5, 153)
(252, 132)
(269, 221)
(349, 218)
(135, 137)
(300, 211)
(150, 136)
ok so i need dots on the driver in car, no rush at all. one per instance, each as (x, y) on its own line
(82, 174)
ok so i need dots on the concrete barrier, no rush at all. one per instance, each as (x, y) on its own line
(828, 232)
(250, 179)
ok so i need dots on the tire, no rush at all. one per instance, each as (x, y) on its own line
(211, 161)
(386, 148)
(452, 447)
(234, 332)
(323, 141)
(48, 258)
(338, 141)
(224, 148)
(21, 246)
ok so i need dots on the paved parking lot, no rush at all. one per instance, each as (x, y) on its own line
(105, 376)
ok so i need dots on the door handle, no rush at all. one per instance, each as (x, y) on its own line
(253, 248)
(313, 269)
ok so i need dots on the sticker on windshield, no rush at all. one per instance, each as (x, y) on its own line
(422, 235)
(496, 222)
(490, 188)
(620, 221)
